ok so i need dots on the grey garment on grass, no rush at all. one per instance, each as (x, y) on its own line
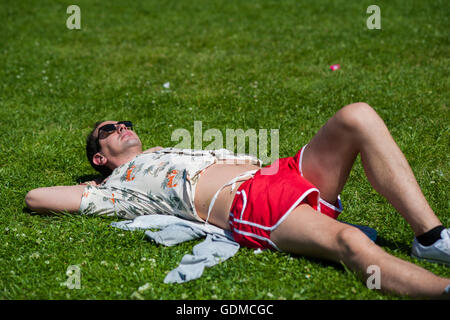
(213, 250)
(217, 247)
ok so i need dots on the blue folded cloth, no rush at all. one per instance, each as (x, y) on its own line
(368, 231)
(217, 247)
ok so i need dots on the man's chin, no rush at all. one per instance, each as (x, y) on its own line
(132, 143)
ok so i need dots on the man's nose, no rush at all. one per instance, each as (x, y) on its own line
(120, 127)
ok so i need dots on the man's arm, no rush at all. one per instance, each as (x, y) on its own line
(55, 199)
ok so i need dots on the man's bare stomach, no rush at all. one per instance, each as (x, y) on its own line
(212, 180)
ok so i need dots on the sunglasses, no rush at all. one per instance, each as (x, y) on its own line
(106, 129)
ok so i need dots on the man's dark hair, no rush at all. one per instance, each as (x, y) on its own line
(92, 147)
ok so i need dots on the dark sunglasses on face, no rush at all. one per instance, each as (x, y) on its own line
(111, 127)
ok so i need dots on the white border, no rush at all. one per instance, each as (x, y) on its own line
(329, 205)
(267, 228)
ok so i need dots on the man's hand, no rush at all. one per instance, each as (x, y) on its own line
(94, 182)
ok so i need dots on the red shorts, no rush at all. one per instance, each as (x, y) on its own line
(264, 201)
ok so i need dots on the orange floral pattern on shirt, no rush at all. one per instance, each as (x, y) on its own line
(129, 172)
(172, 175)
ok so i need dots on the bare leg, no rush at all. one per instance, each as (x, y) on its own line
(308, 233)
(354, 129)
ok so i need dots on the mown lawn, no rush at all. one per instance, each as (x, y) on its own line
(230, 64)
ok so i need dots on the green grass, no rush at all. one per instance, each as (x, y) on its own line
(230, 64)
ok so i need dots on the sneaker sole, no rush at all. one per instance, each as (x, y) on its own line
(431, 260)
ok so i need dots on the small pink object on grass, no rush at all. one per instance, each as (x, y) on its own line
(335, 67)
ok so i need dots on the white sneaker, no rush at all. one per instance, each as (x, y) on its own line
(439, 252)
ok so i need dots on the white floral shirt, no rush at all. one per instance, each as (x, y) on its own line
(160, 182)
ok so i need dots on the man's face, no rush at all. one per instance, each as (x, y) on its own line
(117, 142)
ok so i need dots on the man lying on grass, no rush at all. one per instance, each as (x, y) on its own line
(290, 205)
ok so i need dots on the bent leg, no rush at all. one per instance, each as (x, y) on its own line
(309, 233)
(357, 129)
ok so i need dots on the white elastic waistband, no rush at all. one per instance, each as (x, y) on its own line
(232, 182)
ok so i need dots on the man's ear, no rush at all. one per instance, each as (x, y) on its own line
(99, 159)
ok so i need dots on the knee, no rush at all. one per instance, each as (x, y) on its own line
(357, 116)
(351, 243)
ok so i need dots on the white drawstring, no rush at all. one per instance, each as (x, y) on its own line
(233, 185)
